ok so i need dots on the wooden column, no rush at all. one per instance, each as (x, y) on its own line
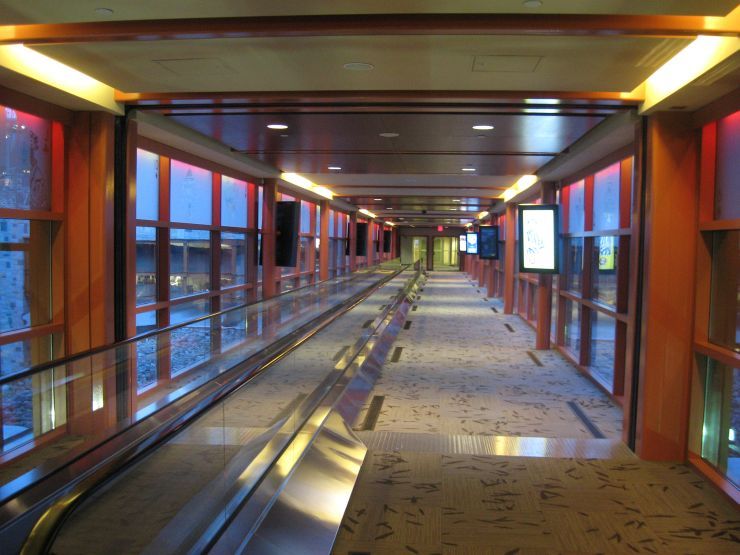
(352, 241)
(369, 246)
(269, 270)
(324, 241)
(509, 248)
(430, 252)
(671, 209)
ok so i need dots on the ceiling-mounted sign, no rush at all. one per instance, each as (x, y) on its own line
(472, 243)
(488, 242)
(463, 243)
(538, 238)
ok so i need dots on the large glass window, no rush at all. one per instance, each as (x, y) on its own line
(146, 265)
(604, 270)
(190, 262)
(25, 161)
(147, 185)
(573, 264)
(603, 329)
(572, 327)
(190, 193)
(576, 206)
(606, 198)
(727, 180)
(233, 259)
(233, 202)
(724, 309)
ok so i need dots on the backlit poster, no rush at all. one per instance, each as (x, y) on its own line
(607, 252)
(472, 243)
(463, 243)
(538, 238)
(488, 242)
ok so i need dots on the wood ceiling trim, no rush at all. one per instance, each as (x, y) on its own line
(368, 25)
(396, 152)
(598, 100)
(400, 188)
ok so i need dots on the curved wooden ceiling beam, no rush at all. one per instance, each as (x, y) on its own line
(371, 24)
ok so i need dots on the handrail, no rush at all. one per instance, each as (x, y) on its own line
(77, 490)
(331, 393)
(14, 376)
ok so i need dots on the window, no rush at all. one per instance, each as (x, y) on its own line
(233, 259)
(190, 194)
(604, 270)
(727, 179)
(190, 262)
(146, 265)
(147, 185)
(576, 207)
(606, 198)
(233, 202)
(573, 264)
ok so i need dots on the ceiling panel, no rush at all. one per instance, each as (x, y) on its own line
(21, 11)
(576, 63)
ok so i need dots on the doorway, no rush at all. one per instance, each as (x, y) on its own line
(413, 249)
(445, 254)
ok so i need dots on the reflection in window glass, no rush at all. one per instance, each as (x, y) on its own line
(233, 202)
(184, 312)
(304, 247)
(721, 426)
(147, 185)
(727, 181)
(146, 360)
(576, 210)
(146, 321)
(554, 310)
(305, 217)
(603, 330)
(724, 307)
(573, 263)
(233, 259)
(25, 273)
(146, 265)
(572, 340)
(604, 270)
(190, 193)
(230, 300)
(23, 354)
(17, 413)
(190, 346)
(606, 198)
(25, 161)
(190, 262)
(331, 223)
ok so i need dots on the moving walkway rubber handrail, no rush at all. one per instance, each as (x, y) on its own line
(80, 488)
(14, 376)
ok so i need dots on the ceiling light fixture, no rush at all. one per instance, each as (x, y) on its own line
(522, 184)
(389, 135)
(300, 181)
(468, 169)
(483, 127)
(334, 168)
(389, 208)
(276, 126)
(532, 3)
(358, 66)
(367, 213)
(483, 214)
(377, 199)
(456, 200)
(104, 11)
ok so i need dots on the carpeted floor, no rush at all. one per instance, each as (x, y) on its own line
(477, 449)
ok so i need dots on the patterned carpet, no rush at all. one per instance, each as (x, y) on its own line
(532, 478)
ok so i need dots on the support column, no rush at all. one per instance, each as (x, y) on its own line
(269, 271)
(544, 287)
(369, 246)
(352, 242)
(669, 256)
(324, 241)
(510, 254)
(430, 252)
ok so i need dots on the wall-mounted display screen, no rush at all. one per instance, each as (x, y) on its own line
(471, 240)
(463, 243)
(488, 242)
(538, 239)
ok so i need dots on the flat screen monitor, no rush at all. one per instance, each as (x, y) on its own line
(463, 243)
(538, 239)
(471, 240)
(488, 242)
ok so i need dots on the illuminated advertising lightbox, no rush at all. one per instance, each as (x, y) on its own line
(538, 239)
(488, 242)
(463, 243)
(472, 243)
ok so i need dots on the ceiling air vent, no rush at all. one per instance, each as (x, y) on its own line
(506, 64)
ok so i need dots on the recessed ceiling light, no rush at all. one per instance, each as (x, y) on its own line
(358, 66)
(454, 209)
(532, 3)
(377, 199)
(468, 169)
(389, 135)
(276, 126)
(389, 208)
(334, 168)
(483, 127)
(456, 200)
(284, 136)
(103, 11)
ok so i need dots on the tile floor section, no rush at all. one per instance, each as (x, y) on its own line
(462, 373)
